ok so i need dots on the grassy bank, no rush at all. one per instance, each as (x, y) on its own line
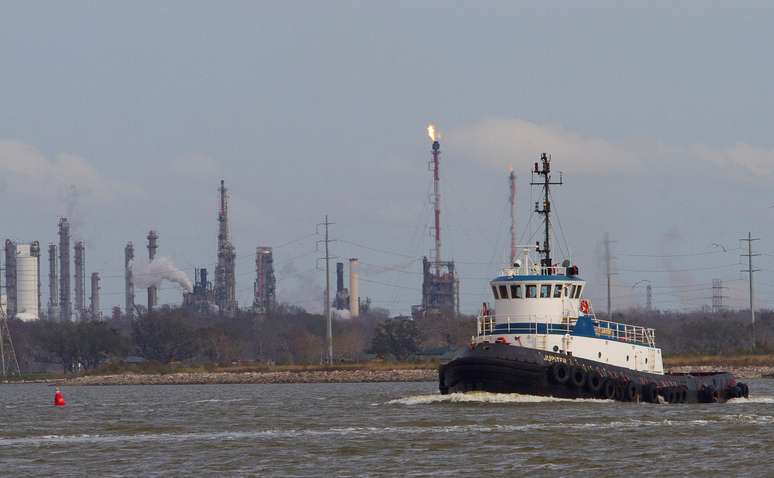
(720, 360)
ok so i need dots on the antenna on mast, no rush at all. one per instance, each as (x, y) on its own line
(544, 169)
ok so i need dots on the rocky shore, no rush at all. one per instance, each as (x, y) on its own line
(317, 376)
(742, 372)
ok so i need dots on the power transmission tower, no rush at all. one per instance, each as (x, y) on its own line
(8, 360)
(750, 271)
(717, 296)
(327, 305)
(609, 269)
(649, 298)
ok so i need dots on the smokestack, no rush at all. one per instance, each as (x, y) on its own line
(65, 306)
(96, 314)
(53, 283)
(354, 289)
(128, 280)
(10, 277)
(80, 280)
(339, 277)
(153, 297)
(35, 252)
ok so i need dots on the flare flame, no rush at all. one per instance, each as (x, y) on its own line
(432, 133)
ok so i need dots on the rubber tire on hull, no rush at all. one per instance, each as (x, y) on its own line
(710, 395)
(577, 377)
(632, 392)
(560, 373)
(594, 382)
(680, 395)
(745, 390)
(650, 393)
(620, 390)
(607, 390)
(667, 393)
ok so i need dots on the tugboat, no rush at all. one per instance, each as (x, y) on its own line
(543, 338)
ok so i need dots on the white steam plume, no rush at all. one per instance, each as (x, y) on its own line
(151, 274)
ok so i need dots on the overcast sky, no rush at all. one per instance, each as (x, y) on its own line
(125, 115)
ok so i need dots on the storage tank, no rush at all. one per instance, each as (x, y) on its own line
(27, 277)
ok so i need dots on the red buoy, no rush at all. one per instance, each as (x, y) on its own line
(58, 399)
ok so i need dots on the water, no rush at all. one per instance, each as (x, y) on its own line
(396, 429)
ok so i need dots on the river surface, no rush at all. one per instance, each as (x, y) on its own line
(380, 429)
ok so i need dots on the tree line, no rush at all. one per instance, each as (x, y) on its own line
(291, 335)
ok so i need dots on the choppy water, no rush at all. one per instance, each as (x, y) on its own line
(391, 429)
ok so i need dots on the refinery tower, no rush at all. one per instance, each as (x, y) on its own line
(225, 271)
(440, 284)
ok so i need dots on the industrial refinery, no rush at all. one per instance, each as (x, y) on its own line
(71, 297)
(440, 284)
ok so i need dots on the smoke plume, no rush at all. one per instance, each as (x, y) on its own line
(151, 274)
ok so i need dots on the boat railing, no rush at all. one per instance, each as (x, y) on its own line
(528, 324)
(625, 332)
(535, 269)
(515, 324)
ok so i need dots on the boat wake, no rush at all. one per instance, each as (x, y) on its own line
(486, 397)
(751, 399)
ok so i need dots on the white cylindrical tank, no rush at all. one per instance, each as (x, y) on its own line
(26, 283)
(354, 289)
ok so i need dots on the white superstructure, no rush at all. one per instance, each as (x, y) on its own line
(543, 308)
(27, 281)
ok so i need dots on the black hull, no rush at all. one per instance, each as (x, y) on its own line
(501, 368)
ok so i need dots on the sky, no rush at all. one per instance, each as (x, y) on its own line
(125, 116)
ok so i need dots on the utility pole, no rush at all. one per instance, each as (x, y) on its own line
(327, 305)
(750, 271)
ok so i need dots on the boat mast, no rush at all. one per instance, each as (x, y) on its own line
(545, 170)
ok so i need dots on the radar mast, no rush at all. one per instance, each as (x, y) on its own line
(544, 169)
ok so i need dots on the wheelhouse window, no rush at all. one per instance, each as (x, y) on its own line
(531, 291)
(503, 292)
(572, 291)
(545, 291)
(578, 292)
(494, 292)
(558, 291)
(515, 291)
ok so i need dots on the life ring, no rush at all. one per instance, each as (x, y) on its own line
(594, 382)
(560, 373)
(578, 377)
(584, 306)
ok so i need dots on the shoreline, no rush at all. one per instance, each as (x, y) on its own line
(285, 377)
(362, 375)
